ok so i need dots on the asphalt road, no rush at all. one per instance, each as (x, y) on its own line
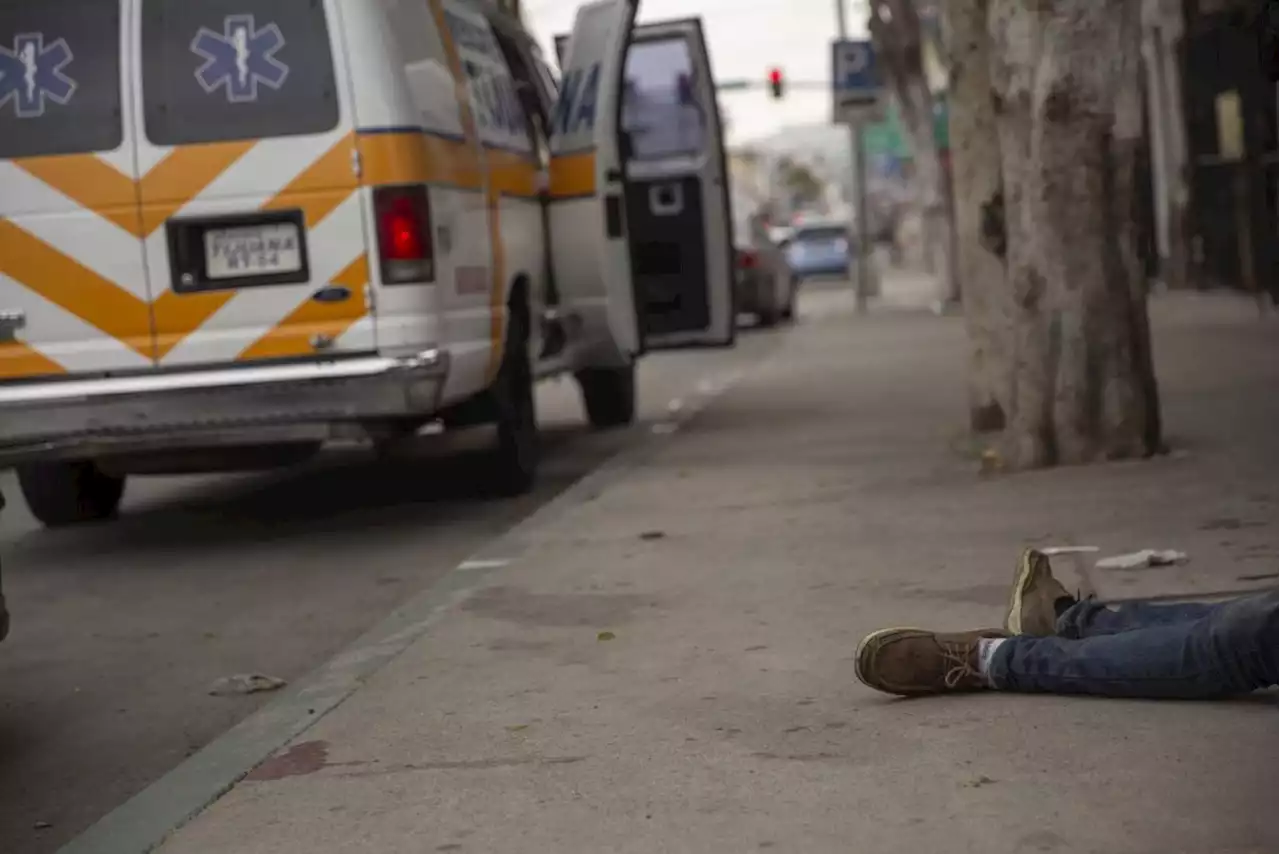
(120, 628)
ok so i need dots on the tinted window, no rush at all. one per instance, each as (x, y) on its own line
(216, 70)
(661, 107)
(59, 77)
(821, 234)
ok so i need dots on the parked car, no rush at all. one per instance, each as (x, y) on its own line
(819, 249)
(764, 284)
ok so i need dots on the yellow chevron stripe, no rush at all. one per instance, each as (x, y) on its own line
(67, 283)
(170, 185)
(91, 184)
(181, 176)
(324, 185)
(179, 315)
(292, 336)
(18, 361)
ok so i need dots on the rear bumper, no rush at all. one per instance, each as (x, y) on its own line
(821, 268)
(249, 405)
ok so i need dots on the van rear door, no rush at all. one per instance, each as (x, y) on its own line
(250, 210)
(589, 251)
(73, 286)
(679, 224)
(638, 152)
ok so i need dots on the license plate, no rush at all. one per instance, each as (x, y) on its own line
(252, 250)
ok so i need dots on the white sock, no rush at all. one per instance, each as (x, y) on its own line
(986, 647)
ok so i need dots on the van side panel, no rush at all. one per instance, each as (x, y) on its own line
(513, 167)
(416, 127)
(245, 124)
(73, 286)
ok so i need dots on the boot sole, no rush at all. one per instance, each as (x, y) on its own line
(1013, 617)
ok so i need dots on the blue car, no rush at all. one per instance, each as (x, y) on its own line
(819, 250)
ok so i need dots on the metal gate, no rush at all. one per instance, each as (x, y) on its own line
(1229, 92)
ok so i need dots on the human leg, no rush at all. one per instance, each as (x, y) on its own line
(1039, 604)
(1090, 618)
(1230, 650)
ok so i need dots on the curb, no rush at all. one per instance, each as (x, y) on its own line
(146, 820)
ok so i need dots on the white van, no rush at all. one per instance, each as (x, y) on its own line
(231, 230)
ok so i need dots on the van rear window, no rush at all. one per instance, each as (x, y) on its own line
(59, 77)
(217, 70)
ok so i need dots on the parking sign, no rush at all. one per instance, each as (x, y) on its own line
(856, 86)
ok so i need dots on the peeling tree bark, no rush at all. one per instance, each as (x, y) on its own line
(1067, 73)
(1013, 27)
(979, 227)
(895, 27)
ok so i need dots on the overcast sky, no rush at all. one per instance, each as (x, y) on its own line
(747, 37)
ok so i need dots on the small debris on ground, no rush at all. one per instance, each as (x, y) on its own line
(1143, 558)
(605, 636)
(43, 825)
(1050, 551)
(990, 462)
(245, 683)
(653, 535)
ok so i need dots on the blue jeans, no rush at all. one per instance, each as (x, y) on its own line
(1188, 651)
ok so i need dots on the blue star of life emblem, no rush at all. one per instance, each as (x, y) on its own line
(32, 74)
(240, 58)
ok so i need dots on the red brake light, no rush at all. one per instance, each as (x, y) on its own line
(747, 259)
(404, 234)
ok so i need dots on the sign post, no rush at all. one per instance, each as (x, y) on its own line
(857, 95)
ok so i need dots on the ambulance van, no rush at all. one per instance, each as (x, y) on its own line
(234, 230)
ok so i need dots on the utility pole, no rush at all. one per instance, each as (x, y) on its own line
(862, 249)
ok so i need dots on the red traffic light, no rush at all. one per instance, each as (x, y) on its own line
(775, 82)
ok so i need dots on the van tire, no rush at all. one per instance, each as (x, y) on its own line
(512, 463)
(69, 493)
(609, 395)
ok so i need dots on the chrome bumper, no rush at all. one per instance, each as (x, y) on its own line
(249, 405)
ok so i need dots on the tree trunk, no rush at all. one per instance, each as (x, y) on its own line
(1070, 131)
(1014, 29)
(979, 235)
(895, 27)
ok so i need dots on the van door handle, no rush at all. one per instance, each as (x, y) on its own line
(613, 226)
(613, 175)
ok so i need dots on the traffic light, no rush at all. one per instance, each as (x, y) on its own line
(775, 83)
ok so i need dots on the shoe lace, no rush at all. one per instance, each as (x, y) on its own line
(960, 660)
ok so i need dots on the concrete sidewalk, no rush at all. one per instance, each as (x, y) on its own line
(666, 664)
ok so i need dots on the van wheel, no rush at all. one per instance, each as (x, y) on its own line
(767, 317)
(609, 395)
(513, 462)
(69, 493)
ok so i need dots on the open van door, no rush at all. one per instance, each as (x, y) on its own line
(590, 254)
(679, 224)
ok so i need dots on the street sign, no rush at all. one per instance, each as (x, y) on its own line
(856, 86)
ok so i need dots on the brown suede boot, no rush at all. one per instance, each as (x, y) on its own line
(914, 661)
(1031, 600)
